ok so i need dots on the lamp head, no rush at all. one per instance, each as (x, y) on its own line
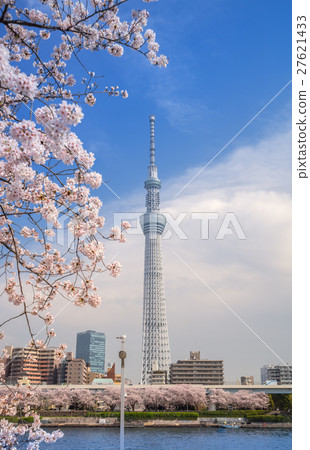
(123, 337)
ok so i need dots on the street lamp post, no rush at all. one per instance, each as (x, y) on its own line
(122, 355)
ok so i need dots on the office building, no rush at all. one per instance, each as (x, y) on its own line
(90, 346)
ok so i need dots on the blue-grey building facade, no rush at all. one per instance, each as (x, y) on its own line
(90, 346)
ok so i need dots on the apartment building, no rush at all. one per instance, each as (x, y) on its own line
(197, 371)
(38, 366)
(77, 371)
(281, 373)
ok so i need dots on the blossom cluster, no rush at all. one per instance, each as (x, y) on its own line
(33, 191)
(239, 400)
(16, 402)
(97, 27)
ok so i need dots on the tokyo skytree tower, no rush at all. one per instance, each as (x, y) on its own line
(155, 340)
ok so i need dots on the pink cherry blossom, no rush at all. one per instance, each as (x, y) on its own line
(46, 173)
(90, 99)
(125, 225)
(114, 268)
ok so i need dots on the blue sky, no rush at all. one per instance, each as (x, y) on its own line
(227, 61)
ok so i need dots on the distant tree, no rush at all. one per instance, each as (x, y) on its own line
(82, 399)
(195, 396)
(151, 398)
(239, 400)
(261, 401)
(186, 396)
(172, 398)
(271, 402)
(133, 397)
(111, 397)
(60, 398)
(283, 402)
(220, 398)
(249, 400)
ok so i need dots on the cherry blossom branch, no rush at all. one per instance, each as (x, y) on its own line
(46, 175)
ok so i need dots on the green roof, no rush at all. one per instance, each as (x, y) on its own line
(102, 381)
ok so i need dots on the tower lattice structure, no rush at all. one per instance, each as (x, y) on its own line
(155, 340)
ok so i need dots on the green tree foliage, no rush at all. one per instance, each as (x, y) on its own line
(283, 402)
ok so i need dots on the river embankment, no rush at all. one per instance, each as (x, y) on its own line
(114, 422)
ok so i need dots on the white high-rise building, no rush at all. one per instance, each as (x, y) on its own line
(155, 340)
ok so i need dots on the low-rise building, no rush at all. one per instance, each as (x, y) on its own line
(247, 381)
(102, 382)
(97, 375)
(158, 377)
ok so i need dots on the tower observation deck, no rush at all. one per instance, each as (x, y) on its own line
(155, 340)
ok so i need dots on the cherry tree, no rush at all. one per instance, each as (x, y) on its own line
(152, 398)
(239, 400)
(260, 400)
(46, 174)
(171, 398)
(249, 400)
(133, 398)
(220, 398)
(82, 399)
(192, 396)
(111, 397)
(242, 400)
(60, 398)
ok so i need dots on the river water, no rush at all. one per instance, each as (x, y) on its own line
(173, 438)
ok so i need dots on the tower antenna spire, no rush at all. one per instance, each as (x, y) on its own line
(152, 142)
(155, 339)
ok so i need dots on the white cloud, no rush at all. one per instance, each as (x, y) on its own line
(180, 112)
(252, 276)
